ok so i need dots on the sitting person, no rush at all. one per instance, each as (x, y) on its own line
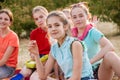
(67, 13)
(69, 53)
(100, 50)
(42, 38)
(9, 45)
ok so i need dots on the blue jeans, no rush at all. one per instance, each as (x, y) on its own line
(6, 71)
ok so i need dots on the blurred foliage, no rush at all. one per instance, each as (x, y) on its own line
(106, 10)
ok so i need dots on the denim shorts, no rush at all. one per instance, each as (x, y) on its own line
(6, 71)
(95, 71)
(87, 78)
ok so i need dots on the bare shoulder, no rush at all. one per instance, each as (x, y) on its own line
(76, 44)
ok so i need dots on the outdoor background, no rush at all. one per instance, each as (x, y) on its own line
(106, 28)
(107, 11)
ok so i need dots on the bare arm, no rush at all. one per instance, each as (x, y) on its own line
(43, 71)
(106, 46)
(7, 54)
(77, 52)
(56, 71)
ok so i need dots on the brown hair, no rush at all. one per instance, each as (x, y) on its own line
(8, 12)
(83, 5)
(62, 18)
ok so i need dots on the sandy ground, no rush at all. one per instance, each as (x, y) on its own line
(106, 28)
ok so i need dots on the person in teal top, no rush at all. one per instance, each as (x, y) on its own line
(64, 58)
(100, 50)
(92, 42)
(69, 53)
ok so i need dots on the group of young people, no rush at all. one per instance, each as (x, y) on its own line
(82, 55)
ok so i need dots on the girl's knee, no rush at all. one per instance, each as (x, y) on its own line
(109, 59)
(34, 76)
(108, 56)
(25, 71)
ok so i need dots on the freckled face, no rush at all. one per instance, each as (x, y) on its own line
(79, 17)
(55, 27)
(4, 20)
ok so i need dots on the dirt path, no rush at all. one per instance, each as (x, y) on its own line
(116, 42)
(24, 54)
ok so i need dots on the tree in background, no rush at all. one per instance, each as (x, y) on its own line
(106, 10)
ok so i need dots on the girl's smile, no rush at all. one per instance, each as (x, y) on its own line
(55, 27)
(79, 17)
(4, 20)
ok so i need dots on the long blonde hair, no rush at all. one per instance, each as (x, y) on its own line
(83, 5)
(40, 8)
